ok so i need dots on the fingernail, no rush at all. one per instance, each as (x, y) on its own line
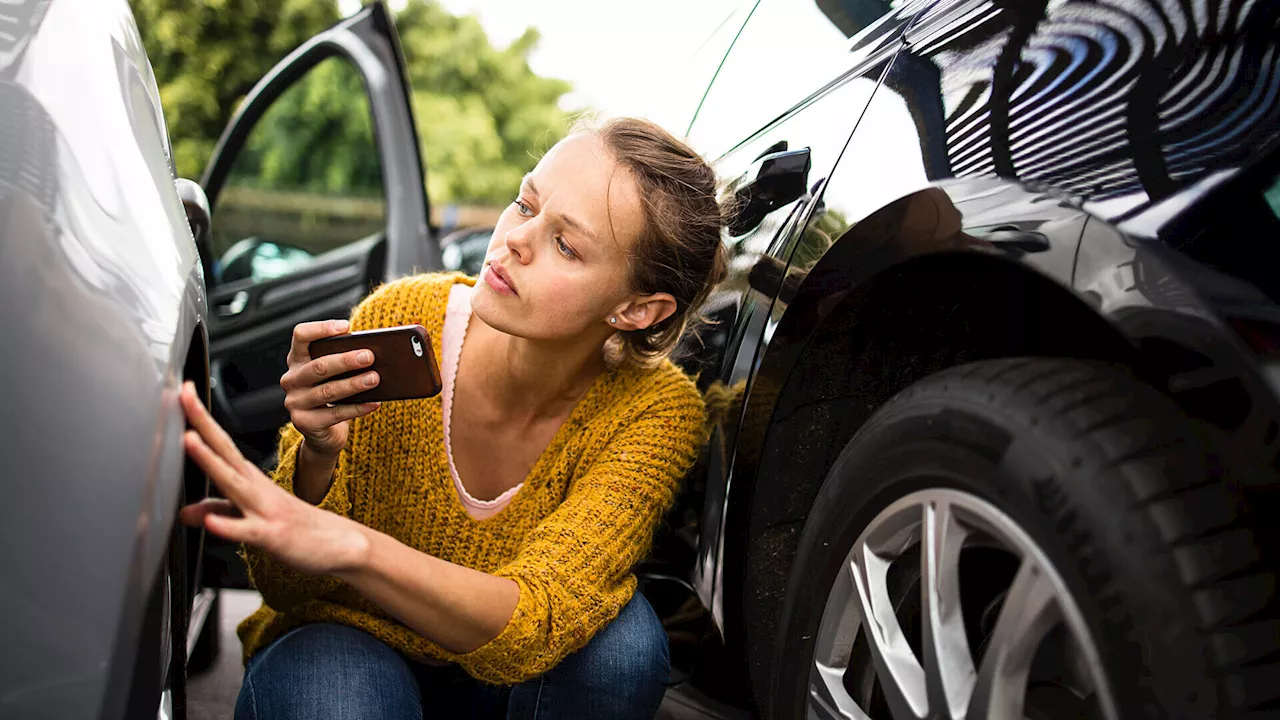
(340, 325)
(364, 357)
(370, 379)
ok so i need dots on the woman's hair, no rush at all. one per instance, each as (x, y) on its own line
(679, 250)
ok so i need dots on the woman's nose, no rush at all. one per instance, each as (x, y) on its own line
(518, 242)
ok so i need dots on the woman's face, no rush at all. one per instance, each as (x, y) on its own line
(557, 264)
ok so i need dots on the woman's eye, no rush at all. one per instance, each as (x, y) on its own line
(565, 249)
(523, 209)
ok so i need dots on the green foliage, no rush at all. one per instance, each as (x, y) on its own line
(307, 141)
(207, 54)
(483, 116)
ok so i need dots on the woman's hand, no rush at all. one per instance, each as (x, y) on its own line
(309, 387)
(259, 512)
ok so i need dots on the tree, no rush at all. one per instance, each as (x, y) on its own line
(483, 116)
(207, 54)
(317, 137)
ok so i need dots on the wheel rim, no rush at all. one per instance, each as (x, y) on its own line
(943, 680)
(166, 705)
(165, 711)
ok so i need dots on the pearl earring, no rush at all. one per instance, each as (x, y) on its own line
(613, 321)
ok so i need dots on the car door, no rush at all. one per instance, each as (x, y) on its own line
(921, 177)
(775, 119)
(317, 195)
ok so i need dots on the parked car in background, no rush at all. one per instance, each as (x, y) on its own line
(464, 250)
(104, 315)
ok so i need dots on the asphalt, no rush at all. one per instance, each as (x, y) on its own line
(211, 695)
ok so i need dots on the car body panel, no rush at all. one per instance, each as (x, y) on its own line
(1061, 121)
(102, 295)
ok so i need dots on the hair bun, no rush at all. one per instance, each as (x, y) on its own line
(681, 249)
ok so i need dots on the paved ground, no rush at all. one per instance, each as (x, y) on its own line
(212, 694)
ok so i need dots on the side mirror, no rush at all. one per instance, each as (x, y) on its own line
(260, 259)
(196, 204)
(465, 250)
(776, 179)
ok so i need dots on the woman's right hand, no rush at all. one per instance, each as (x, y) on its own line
(309, 387)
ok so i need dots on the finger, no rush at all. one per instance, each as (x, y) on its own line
(324, 368)
(231, 528)
(306, 333)
(222, 474)
(202, 422)
(337, 390)
(193, 514)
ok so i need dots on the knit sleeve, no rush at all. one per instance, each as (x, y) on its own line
(282, 587)
(574, 570)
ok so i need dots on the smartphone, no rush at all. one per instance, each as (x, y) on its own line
(402, 357)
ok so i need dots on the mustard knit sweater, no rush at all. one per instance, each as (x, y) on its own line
(569, 537)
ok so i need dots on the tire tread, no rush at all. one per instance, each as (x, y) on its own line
(1195, 511)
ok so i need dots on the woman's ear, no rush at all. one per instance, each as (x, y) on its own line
(645, 311)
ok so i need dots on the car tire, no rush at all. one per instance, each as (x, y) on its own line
(157, 685)
(1101, 492)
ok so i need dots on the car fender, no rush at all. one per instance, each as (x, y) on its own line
(101, 296)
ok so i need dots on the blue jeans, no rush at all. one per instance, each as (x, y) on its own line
(327, 671)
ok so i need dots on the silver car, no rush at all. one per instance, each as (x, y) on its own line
(115, 287)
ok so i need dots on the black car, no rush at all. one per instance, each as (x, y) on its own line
(993, 383)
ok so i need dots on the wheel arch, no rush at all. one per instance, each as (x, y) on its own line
(848, 351)
(195, 368)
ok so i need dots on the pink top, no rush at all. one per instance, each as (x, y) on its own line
(456, 318)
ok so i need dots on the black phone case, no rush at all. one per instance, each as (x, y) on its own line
(402, 356)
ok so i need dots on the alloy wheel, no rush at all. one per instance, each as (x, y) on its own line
(1035, 651)
(166, 705)
(165, 711)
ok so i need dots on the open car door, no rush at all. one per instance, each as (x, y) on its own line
(317, 195)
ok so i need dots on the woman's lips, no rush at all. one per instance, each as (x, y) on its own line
(495, 277)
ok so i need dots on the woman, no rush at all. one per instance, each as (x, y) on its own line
(469, 555)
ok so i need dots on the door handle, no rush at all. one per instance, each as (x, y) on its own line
(775, 180)
(234, 306)
(1013, 237)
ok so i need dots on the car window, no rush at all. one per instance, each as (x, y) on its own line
(787, 51)
(306, 181)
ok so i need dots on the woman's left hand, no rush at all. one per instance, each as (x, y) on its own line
(258, 512)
